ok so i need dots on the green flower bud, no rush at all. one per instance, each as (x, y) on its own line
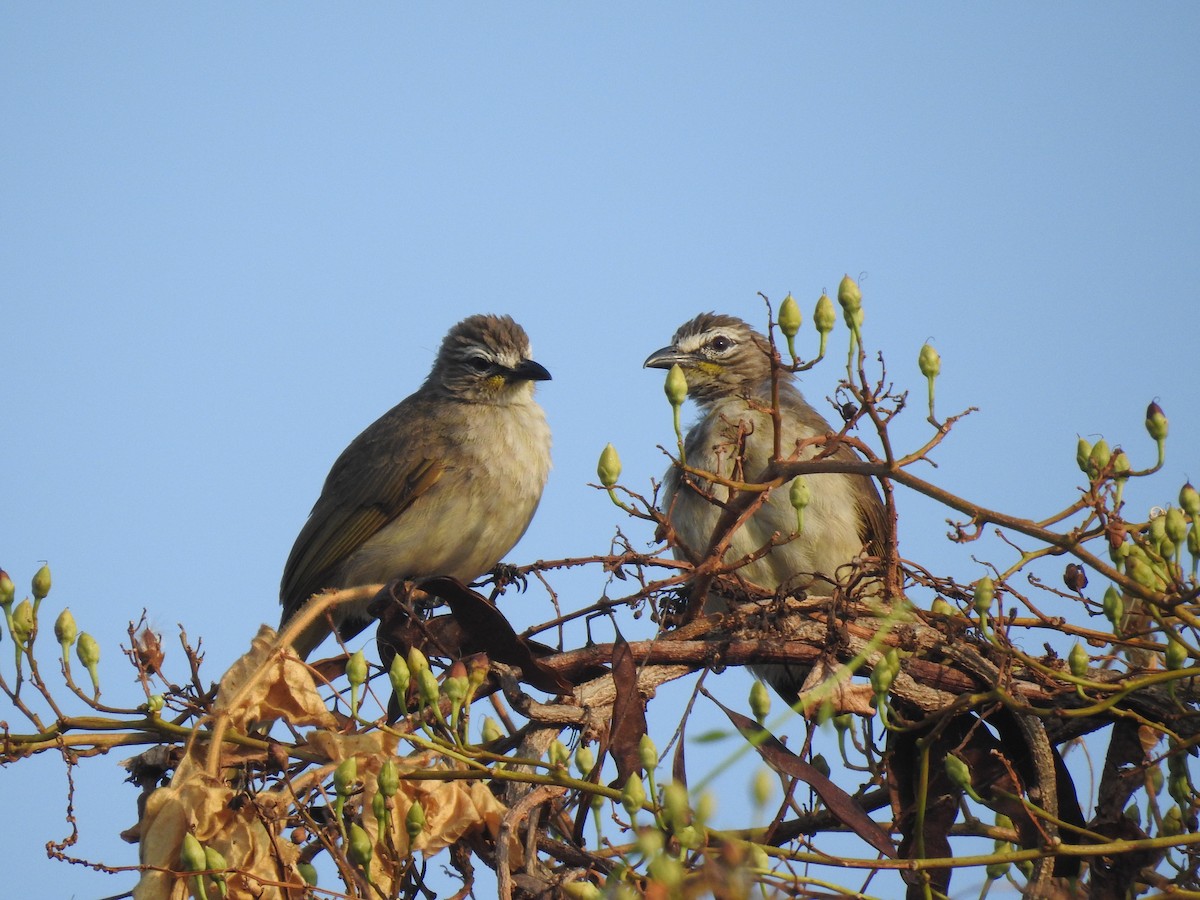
(930, 364)
(960, 776)
(41, 584)
(667, 870)
(88, 652)
(1134, 814)
(1172, 822)
(985, 592)
(1099, 458)
(214, 861)
(929, 361)
(359, 848)
(824, 316)
(1175, 526)
(417, 661)
(609, 468)
(789, 317)
(1156, 423)
(843, 722)
(344, 776)
(490, 730)
(676, 806)
(558, 754)
(1193, 545)
(389, 778)
(581, 890)
(8, 590)
(650, 842)
(647, 753)
(154, 704)
(379, 810)
(65, 630)
(428, 688)
(1189, 500)
(676, 386)
(1177, 655)
(191, 854)
(849, 296)
(23, 621)
(882, 677)
(1078, 661)
(400, 677)
(1083, 456)
(1120, 469)
(456, 687)
(633, 795)
(757, 856)
(414, 822)
(308, 872)
(585, 760)
(1114, 606)
(356, 669)
(1178, 788)
(760, 701)
(942, 608)
(762, 787)
(1000, 869)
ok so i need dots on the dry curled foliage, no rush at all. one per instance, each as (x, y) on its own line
(951, 733)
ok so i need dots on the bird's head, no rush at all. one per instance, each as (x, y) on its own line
(721, 356)
(486, 359)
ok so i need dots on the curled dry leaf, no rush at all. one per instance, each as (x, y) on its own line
(269, 683)
(259, 866)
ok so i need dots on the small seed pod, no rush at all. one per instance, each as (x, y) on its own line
(1083, 456)
(1114, 606)
(344, 776)
(356, 669)
(1177, 655)
(824, 315)
(490, 731)
(585, 759)
(23, 621)
(400, 677)
(800, 495)
(191, 854)
(88, 652)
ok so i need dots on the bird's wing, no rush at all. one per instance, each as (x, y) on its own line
(374, 481)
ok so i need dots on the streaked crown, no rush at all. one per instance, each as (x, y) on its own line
(486, 359)
(721, 356)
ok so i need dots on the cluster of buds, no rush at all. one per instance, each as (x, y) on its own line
(197, 858)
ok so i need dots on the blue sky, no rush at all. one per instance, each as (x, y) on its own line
(232, 237)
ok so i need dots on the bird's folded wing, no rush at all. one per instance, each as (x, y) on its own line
(364, 505)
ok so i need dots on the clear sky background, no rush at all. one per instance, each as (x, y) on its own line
(230, 238)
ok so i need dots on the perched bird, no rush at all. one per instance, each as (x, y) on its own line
(728, 369)
(444, 483)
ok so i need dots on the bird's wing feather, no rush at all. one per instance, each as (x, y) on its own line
(369, 490)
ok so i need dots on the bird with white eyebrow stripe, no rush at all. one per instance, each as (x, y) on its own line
(444, 483)
(728, 369)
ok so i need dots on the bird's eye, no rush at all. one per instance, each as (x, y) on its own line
(479, 364)
(721, 343)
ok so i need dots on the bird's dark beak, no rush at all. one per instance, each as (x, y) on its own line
(529, 370)
(664, 358)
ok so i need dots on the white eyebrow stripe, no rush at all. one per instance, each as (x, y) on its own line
(694, 342)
